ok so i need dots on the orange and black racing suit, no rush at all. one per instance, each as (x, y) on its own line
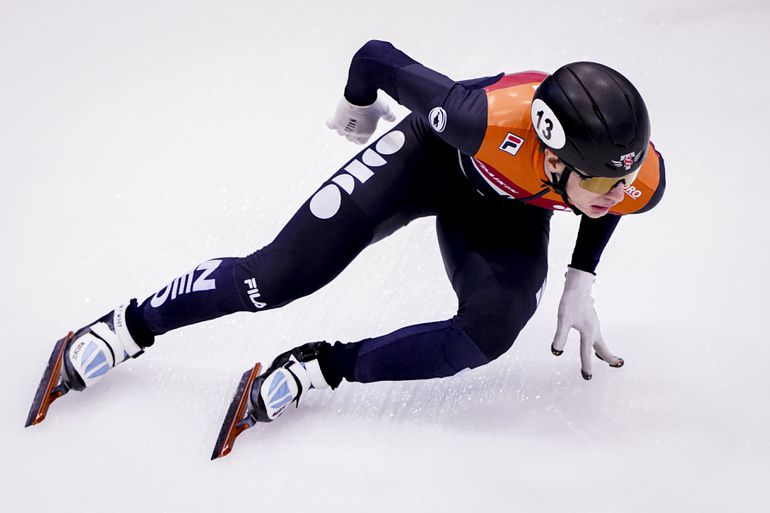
(466, 155)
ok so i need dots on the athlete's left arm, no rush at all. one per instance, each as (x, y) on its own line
(576, 308)
(593, 236)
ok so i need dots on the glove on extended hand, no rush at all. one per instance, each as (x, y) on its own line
(357, 123)
(576, 310)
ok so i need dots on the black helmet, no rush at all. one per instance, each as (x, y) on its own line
(593, 119)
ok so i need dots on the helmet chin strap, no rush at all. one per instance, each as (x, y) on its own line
(559, 185)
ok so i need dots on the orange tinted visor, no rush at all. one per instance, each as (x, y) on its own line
(603, 184)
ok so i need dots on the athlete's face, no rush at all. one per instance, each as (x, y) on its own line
(590, 203)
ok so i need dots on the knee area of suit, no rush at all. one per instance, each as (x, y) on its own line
(492, 338)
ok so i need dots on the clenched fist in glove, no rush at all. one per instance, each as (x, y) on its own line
(357, 123)
(576, 310)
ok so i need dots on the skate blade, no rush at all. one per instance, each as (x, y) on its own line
(49, 389)
(235, 423)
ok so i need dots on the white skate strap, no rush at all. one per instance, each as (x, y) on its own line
(103, 332)
(317, 379)
(120, 340)
(131, 348)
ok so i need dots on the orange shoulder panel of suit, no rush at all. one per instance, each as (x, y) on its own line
(508, 112)
(508, 118)
(639, 193)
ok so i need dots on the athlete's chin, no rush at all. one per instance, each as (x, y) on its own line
(596, 211)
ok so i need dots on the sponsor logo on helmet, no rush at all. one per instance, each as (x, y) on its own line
(437, 118)
(627, 160)
(512, 143)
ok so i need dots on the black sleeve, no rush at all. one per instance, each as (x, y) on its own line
(592, 238)
(379, 65)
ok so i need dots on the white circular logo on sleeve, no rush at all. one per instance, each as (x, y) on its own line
(547, 125)
(437, 119)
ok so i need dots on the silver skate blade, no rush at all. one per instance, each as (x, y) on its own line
(235, 423)
(49, 388)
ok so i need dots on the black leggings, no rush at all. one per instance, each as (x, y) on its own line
(494, 252)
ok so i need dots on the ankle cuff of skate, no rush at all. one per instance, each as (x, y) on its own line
(130, 346)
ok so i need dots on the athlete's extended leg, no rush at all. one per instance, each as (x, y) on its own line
(384, 187)
(374, 194)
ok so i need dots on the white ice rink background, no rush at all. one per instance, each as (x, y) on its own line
(138, 139)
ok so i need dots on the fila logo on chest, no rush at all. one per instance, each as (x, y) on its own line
(512, 143)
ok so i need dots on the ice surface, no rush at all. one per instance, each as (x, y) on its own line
(140, 138)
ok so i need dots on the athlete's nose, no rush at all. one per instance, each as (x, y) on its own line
(616, 194)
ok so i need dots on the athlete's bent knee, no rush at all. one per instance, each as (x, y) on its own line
(493, 333)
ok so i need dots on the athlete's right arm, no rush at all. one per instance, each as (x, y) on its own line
(457, 111)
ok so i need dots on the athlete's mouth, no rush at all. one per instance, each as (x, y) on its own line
(609, 205)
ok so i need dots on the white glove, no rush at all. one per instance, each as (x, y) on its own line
(358, 123)
(576, 310)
